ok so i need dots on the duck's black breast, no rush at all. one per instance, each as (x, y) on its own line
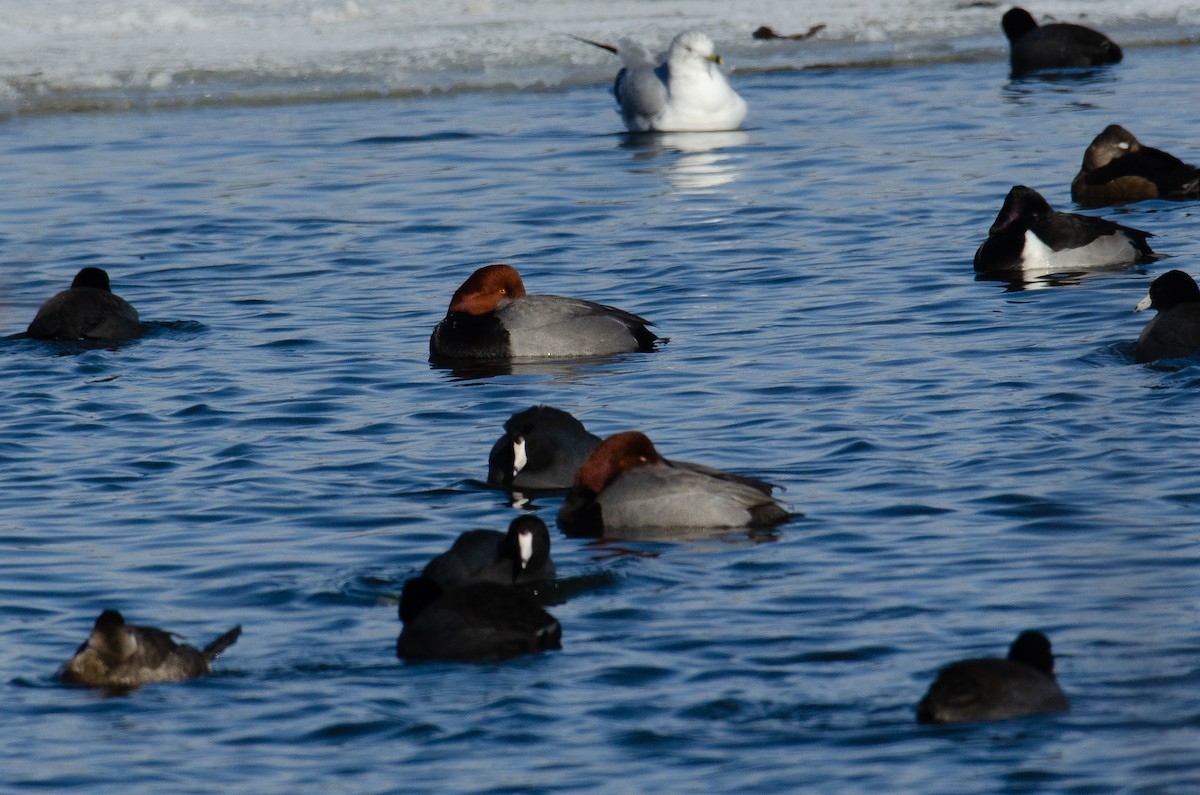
(1001, 251)
(464, 337)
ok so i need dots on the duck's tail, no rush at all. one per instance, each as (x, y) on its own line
(222, 643)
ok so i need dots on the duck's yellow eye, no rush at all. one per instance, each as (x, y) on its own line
(503, 291)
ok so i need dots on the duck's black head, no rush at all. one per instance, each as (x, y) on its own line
(1032, 648)
(1016, 23)
(95, 278)
(1172, 289)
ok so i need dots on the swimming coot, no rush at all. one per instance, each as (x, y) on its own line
(542, 448)
(479, 620)
(87, 311)
(1175, 330)
(519, 557)
(1059, 45)
(992, 689)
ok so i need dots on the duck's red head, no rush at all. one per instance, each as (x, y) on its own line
(616, 454)
(485, 288)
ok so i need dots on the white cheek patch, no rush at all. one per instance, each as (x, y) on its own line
(519, 458)
(127, 644)
(525, 543)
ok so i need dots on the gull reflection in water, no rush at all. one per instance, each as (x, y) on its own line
(702, 162)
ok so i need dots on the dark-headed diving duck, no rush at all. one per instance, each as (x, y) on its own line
(120, 655)
(1029, 238)
(1117, 169)
(87, 311)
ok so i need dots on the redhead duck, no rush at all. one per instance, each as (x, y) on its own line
(482, 619)
(681, 91)
(1117, 169)
(542, 448)
(87, 311)
(1029, 238)
(120, 655)
(1175, 330)
(518, 557)
(491, 317)
(624, 484)
(1059, 45)
(992, 689)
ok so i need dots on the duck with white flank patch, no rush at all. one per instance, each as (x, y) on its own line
(1029, 239)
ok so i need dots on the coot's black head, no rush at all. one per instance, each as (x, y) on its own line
(528, 543)
(1016, 23)
(1032, 648)
(502, 461)
(92, 277)
(522, 421)
(1021, 206)
(531, 440)
(1170, 290)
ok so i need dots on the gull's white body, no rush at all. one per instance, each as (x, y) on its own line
(681, 91)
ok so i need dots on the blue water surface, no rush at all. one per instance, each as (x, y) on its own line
(970, 458)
